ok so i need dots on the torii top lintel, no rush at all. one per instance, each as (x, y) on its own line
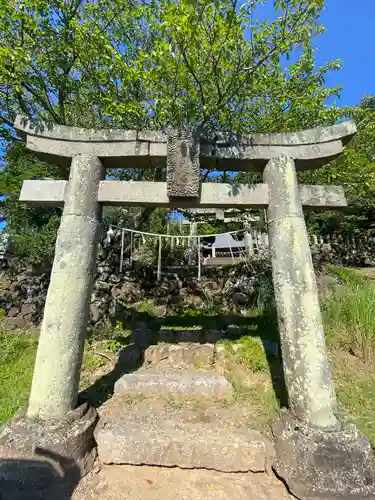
(137, 149)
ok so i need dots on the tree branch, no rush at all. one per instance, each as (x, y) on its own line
(260, 62)
(197, 81)
(45, 103)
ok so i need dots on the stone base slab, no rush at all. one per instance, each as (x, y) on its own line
(39, 455)
(327, 465)
(152, 432)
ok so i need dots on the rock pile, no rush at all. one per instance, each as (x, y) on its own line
(116, 294)
(345, 251)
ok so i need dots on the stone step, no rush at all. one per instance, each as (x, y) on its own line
(143, 434)
(197, 383)
(223, 261)
(175, 355)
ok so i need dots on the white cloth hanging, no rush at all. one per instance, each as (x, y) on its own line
(109, 235)
(131, 247)
(159, 259)
(122, 250)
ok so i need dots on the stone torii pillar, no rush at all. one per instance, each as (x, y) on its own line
(317, 455)
(306, 369)
(58, 362)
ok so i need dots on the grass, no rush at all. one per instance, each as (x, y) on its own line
(349, 314)
(349, 319)
(256, 394)
(355, 392)
(17, 355)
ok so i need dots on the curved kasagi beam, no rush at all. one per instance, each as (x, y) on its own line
(130, 148)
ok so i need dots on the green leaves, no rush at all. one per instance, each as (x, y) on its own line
(214, 67)
(137, 65)
(56, 56)
(355, 171)
(187, 63)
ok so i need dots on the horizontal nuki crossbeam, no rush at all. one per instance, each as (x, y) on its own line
(154, 194)
(310, 149)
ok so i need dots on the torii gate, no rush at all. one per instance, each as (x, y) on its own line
(279, 156)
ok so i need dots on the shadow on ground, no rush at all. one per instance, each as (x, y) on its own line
(146, 330)
(53, 477)
(102, 389)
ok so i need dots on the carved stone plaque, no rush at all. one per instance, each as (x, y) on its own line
(183, 172)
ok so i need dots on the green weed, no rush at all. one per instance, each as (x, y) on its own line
(347, 276)
(17, 356)
(349, 317)
(251, 354)
(355, 393)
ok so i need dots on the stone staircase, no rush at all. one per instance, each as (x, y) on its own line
(173, 431)
(178, 417)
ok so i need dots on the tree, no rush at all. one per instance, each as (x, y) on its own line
(56, 59)
(32, 230)
(187, 63)
(193, 64)
(355, 171)
(57, 64)
(215, 66)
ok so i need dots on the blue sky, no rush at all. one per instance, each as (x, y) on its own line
(349, 37)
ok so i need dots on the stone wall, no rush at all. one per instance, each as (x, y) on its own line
(23, 289)
(115, 294)
(344, 251)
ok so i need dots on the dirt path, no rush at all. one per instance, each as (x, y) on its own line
(155, 483)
